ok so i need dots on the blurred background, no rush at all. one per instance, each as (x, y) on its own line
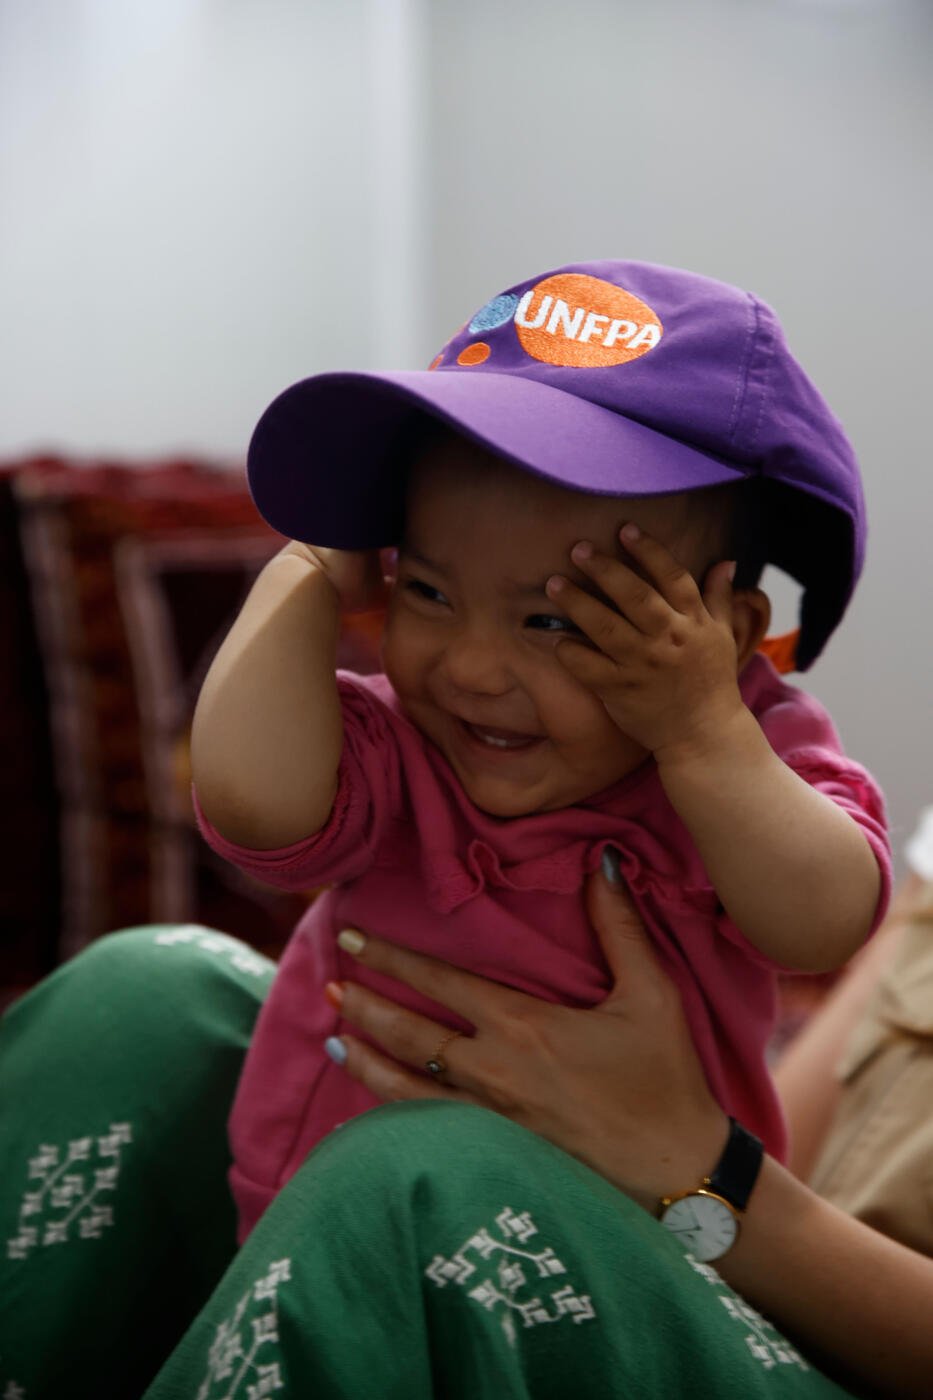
(204, 200)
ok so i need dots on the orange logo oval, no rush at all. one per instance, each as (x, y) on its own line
(474, 354)
(582, 321)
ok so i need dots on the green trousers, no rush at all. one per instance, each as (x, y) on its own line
(423, 1249)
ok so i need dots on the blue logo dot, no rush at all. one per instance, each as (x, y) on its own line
(495, 313)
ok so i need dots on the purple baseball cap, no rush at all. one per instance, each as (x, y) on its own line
(620, 378)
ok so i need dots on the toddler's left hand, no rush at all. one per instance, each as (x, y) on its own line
(665, 663)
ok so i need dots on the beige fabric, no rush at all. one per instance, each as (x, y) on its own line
(877, 1162)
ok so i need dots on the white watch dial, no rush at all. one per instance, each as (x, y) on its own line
(704, 1225)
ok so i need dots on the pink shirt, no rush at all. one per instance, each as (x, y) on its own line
(412, 859)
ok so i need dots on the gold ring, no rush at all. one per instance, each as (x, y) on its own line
(437, 1065)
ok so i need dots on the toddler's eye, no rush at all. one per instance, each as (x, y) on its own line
(546, 622)
(424, 590)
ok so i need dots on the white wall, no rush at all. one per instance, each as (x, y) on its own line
(201, 200)
(785, 145)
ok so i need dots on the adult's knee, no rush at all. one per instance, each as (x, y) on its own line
(175, 1001)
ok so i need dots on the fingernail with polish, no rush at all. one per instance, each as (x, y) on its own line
(351, 941)
(610, 865)
(334, 994)
(335, 1048)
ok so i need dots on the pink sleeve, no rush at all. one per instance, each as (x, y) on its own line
(803, 735)
(368, 788)
(853, 789)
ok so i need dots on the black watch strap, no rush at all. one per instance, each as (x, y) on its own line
(737, 1170)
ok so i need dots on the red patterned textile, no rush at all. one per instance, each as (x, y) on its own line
(29, 871)
(128, 578)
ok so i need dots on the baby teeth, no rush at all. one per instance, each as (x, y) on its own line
(496, 741)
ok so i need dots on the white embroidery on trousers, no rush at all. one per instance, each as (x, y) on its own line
(241, 956)
(233, 1354)
(64, 1197)
(763, 1341)
(500, 1284)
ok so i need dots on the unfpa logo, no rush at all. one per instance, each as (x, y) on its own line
(572, 319)
(569, 319)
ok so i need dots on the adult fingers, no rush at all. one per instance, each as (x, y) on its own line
(649, 1009)
(475, 999)
(404, 1034)
(640, 983)
(386, 1079)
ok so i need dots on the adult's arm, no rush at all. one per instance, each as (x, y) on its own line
(806, 1073)
(858, 1303)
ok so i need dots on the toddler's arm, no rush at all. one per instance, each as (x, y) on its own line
(793, 870)
(267, 733)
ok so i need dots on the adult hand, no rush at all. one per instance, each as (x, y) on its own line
(619, 1085)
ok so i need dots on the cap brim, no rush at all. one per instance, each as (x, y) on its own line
(324, 464)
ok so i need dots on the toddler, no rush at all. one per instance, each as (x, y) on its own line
(582, 492)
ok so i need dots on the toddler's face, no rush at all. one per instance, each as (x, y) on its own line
(470, 636)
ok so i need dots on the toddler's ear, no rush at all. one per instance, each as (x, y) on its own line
(751, 618)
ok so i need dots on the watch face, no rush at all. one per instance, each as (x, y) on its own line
(704, 1225)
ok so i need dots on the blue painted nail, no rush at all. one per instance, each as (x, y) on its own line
(610, 865)
(335, 1048)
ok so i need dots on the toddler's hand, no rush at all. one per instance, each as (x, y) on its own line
(663, 659)
(356, 574)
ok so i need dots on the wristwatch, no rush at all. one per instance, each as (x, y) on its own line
(706, 1218)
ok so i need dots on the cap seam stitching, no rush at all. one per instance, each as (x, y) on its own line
(768, 358)
(741, 387)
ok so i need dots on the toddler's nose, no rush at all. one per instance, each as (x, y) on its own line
(477, 665)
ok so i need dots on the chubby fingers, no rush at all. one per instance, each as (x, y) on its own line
(672, 580)
(717, 591)
(648, 600)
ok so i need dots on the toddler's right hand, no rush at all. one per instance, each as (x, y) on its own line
(356, 574)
